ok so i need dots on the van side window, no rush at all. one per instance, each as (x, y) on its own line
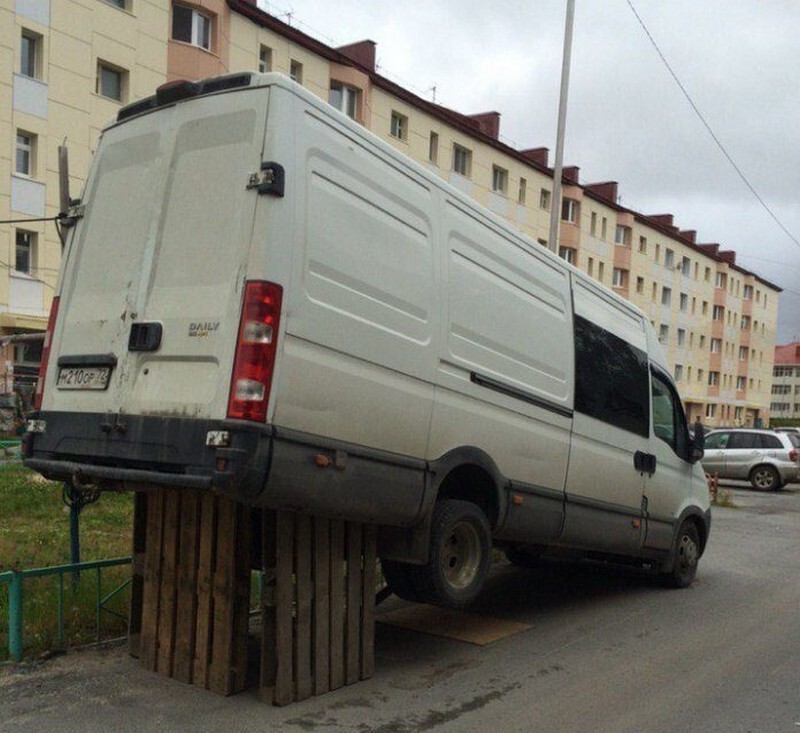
(743, 441)
(770, 442)
(610, 379)
(669, 422)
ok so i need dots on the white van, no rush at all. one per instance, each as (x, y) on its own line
(262, 299)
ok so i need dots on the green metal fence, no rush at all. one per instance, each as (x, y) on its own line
(15, 579)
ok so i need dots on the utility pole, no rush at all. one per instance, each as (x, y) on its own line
(555, 204)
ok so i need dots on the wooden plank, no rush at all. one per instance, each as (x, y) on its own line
(168, 591)
(368, 603)
(220, 674)
(152, 581)
(241, 626)
(354, 592)
(302, 634)
(205, 601)
(284, 601)
(269, 661)
(337, 605)
(137, 572)
(186, 574)
(322, 606)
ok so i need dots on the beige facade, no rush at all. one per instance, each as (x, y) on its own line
(786, 383)
(717, 320)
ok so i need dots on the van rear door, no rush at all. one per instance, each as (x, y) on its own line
(152, 285)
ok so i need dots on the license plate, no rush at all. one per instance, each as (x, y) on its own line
(83, 377)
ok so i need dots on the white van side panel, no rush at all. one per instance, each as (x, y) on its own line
(357, 362)
(505, 368)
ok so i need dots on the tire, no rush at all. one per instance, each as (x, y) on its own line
(398, 577)
(686, 557)
(765, 477)
(524, 556)
(459, 555)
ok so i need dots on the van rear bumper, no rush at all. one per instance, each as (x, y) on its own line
(260, 465)
(130, 452)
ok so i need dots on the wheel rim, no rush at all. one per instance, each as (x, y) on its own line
(461, 555)
(687, 555)
(763, 478)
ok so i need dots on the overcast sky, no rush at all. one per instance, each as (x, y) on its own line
(627, 120)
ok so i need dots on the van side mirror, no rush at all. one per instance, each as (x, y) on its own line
(697, 448)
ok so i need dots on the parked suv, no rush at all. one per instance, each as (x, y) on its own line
(767, 458)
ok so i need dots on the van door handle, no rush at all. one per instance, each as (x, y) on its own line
(644, 462)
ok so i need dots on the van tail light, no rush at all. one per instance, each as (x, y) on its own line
(48, 340)
(255, 351)
(793, 455)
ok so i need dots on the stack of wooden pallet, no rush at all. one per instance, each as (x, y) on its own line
(190, 605)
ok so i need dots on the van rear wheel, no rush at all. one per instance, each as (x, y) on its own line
(459, 555)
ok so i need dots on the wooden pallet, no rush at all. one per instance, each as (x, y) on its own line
(317, 605)
(191, 596)
(191, 609)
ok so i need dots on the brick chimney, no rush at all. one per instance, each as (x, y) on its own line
(570, 173)
(606, 190)
(488, 123)
(690, 234)
(728, 255)
(362, 52)
(537, 155)
(711, 247)
(663, 220)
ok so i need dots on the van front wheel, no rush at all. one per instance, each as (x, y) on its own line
(687, 555)
(459, 555)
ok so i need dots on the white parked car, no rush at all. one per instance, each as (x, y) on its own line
(766, 458)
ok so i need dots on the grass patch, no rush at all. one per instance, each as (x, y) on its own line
(34, 532)
(724, 498)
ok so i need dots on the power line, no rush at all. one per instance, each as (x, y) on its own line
(714, 137)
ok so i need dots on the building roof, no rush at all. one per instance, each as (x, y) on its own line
(355, 55)
(787, 353)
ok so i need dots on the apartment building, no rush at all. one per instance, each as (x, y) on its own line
(66, 67)
(786, 383)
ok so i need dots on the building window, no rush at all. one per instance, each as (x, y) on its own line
(398, 126)
(544, 199)
(600, 270)
(30, 55)
(569, 210)
(686, 266)
(619, 278)
(462, 160)
(640, 285)
(264, 59)
(593, 224)
(741, 383)
(713, 379)
(567, 253)
(643, 245)
(711, 411)
(191, 26)
(666, 296)
(748, 292)
(499, 179)
(433, 148)
(719, 282)
(296, 71)
(590, 266)
(663, 333)
(25, 251)
(669, 259)
(743, 351)
(25, 162)
(344, 98)
(622, 236)
(678, 372)
(716, 345)
(523, 191)
(121, 4)
(111, 81)
(604, 229)
(684, 302)
(718, 314)
(681, 336)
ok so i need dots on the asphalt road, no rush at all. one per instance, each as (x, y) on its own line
(606, 651)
